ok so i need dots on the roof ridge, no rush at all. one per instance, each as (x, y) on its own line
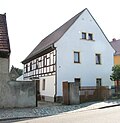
(65, 23)
(62, 25)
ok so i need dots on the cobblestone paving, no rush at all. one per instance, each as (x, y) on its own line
(44, 109)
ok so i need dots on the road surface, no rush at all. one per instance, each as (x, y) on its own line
(106, 115)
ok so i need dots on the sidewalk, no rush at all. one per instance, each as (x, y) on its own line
(100, 105)
(48, 109)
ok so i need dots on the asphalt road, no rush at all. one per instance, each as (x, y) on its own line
(106, 115)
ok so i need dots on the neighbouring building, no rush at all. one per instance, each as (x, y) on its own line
(78, 51)
(4, 50)
(116, 45)
(15, 73)
(4, 60)
(12, 93)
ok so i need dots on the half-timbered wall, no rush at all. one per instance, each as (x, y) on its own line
(41, 66)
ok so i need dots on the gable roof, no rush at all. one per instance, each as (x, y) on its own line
(48, 42)
(52, 38)
(4, 38)
(116, 46)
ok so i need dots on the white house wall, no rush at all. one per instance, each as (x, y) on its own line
(49, 91)
(86, 70)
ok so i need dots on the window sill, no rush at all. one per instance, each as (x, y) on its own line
(77, 62)
(98, 64)
(90, 40)
(86, 39)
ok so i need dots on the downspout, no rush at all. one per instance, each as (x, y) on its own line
(53, 47)
(55, 76)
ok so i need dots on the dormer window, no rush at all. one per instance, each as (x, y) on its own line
(90, 36)
(83, 35)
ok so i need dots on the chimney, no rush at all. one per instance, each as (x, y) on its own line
(113, 39)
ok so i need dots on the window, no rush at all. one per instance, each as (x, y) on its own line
(26, 68)
(83, 35)
(51, 58)
(45, 60)
(78, 80)
(87, 36)
(98, 82)
(30, 66)
(37, 63)
(43, 85)
(90, 36)
(98, 58)
(76, 57)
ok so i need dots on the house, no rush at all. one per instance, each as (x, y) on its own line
(4, 49)
(78, 51)
(15, 73)
(116, 45)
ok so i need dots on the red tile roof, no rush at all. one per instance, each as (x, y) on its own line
(4, 38)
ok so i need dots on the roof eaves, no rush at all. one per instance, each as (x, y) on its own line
(35, 55)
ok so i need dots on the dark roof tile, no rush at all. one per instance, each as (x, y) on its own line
(52, 38)
(116, 46)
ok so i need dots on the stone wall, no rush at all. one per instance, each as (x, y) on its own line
(18, 94)
(4, 78)
(4, 66)
(15, 93)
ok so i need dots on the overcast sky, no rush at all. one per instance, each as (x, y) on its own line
(29, 21)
